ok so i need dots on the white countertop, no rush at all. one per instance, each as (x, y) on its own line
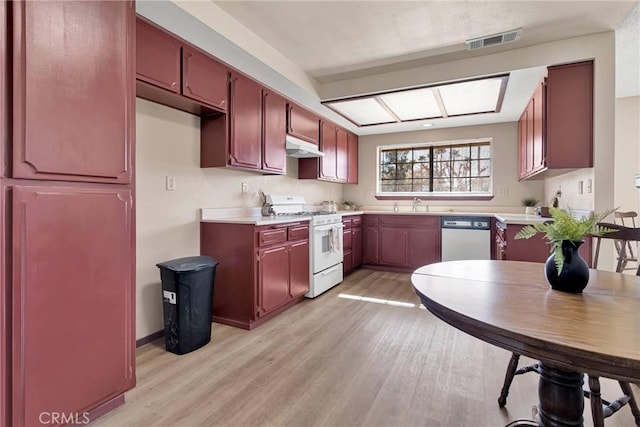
(252, 216)
(521, 219)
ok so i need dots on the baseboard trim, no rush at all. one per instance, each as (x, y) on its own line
(154, 336)
(101, 410)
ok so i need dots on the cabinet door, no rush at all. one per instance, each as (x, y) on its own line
(273, 278)
(535, 249)
(245, 135)
(538, 160)
(352, 155)
(73, 90)
(157, 56)
(570, 115)
(347, 261)
(370, 251)
(274, 121)
(529, 137)
(4, 308)
(299, 268)
(424, 246)
(394, 245)
(73, 329)
(204, 79)
(356, 246)
(303, 124)
(346, 238)
(342, 155)
(522, 145)
(328, 147)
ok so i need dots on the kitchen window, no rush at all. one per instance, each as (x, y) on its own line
(450, 169)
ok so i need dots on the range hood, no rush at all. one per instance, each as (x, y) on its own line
(298, 148)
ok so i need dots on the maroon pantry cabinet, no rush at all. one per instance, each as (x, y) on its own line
(68, 219)
(71, 299)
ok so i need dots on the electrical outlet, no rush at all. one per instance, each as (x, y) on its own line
(171, 183)
(580, 187)
(244, 188)
(589, 186)
(503, 192)
(368, 193)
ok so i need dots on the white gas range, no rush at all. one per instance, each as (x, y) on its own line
(325, 241)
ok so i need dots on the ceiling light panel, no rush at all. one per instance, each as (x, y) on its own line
(412, 104)
(363, 112)
(478, 96)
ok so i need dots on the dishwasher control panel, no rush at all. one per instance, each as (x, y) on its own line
(466, 223)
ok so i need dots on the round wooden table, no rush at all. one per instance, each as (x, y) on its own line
(511, 305)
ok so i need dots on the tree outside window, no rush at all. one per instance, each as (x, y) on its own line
(454, 168)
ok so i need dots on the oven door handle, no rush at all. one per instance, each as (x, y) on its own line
(326, 227)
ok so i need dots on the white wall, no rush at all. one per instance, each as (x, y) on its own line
(505, 167)
(627, 153)
(168, 143)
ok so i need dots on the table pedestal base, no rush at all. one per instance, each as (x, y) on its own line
(561, 398)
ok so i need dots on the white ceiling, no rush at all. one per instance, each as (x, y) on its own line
(337, 40)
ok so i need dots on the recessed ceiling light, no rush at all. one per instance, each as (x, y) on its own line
(427, 125)
(476, 96)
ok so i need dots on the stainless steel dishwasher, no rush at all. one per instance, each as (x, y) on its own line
(465, 237)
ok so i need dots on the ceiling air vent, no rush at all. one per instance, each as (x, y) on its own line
(495, 39)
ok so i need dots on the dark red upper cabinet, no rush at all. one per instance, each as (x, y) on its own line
(342, 155)
(352, 152)
(274, 120)
(157, 56)
(73, 324)
(73, 90)
(245, 121)
(204, 79)
(303, 124)
(569, 109)
(328, 145)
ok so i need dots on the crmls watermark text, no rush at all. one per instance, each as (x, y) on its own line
(64, 418)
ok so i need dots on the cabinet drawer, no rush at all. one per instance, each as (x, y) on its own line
(298, 232)
(269, 237)
(356, 221)
(347, 222)
(410, 220)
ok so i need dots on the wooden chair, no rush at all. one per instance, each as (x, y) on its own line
(600, 408)
(625, 238)
(625, 250)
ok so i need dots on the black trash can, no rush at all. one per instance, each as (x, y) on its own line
(187, 294)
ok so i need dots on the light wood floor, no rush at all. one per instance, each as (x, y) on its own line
(333, 361)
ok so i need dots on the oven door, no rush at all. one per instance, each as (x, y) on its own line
(326, 250)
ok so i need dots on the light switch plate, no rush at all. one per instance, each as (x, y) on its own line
(171, 183)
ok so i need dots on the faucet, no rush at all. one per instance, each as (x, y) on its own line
(415, 203)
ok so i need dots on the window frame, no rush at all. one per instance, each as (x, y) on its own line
(433, 195)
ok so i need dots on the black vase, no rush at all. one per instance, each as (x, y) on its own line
(575, 272)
